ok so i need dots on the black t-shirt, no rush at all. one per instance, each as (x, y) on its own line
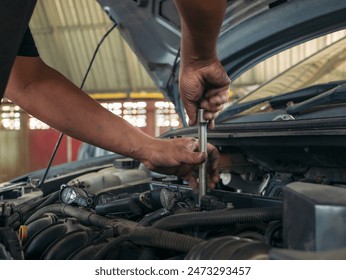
(28, 47)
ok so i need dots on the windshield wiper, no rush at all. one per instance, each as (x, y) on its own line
(280, 101)
(239, 107)
(337, 93)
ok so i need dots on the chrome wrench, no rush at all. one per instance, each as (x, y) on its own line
(202, 142)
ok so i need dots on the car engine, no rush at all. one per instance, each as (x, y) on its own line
(274, 200)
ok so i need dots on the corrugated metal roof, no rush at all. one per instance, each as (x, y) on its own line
(272, 66)
(325, 66)
(67, 32)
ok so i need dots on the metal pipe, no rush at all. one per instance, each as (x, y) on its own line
(202, 141)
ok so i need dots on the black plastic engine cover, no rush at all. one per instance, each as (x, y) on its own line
(314, 217)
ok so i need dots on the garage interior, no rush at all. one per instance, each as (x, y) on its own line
(66, 34)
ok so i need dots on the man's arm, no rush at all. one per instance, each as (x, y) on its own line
(203, 81)
(49, 96)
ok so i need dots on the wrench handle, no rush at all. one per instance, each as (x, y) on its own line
(202, 142)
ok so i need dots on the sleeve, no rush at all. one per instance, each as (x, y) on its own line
(28, 47)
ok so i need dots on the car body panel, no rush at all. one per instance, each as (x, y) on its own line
(247, 36)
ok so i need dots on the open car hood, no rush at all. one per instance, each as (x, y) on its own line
(251, 32)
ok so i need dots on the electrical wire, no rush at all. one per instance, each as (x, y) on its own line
(171, 78)
(169, 87)
(57, 145)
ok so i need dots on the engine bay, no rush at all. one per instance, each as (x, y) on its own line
(277, 199)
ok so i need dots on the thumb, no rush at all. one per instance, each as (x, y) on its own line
(195, 158)
(191, 110)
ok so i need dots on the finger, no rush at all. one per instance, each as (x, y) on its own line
(192, 180)
(211, 124)
(214, 175)
(212, 181)
(222, 92)
(191, 111)
(189, 143)
(213, 164)
(210, 107)
(218, 75)
(213, 156)
(191, 155)
(218, 99)
(213, 178)
(208, 115)
(195, 158)
(211, 184)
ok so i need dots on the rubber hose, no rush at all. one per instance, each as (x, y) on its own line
(251, 235)
(149, 253)
(66, 245)
(108, 247)
(10, 245)
(43, 239)
(141, 236)
(164, 239)
(229, 248)
(219, 218)
(86, 253)
(51, 199)
(271, 230)
(38, 225)
(22, 210)
(154, 216)
(83, 215)
(28, 207)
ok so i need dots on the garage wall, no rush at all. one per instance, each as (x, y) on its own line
(26, 144)
(41, 144)
(13, 154)
(13, 142)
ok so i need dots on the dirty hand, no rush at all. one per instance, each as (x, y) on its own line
(203, 84)
(180, 156)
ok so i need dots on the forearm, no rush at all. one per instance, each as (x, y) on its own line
(201, 21)
(46, 94)
(56, 101)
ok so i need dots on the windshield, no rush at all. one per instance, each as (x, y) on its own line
(327, 64)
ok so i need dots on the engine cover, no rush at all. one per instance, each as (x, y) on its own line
(314, 217)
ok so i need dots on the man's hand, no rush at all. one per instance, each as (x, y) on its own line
(204, 84)
(46, 94)
(179, 156)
